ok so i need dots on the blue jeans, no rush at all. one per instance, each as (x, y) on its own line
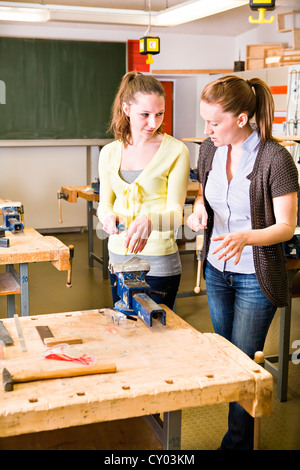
(242, 314)
(168, 285)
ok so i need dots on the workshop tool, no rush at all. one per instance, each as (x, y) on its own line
(69, 280)
(26, 376)
(199, 246)
(12, 212)
(96, 186)
(48, 338)
(5, 336)
(20, 333)
(4, 242)
(134, 291)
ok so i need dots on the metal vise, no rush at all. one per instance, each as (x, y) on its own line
(292, 247)
(12, 212)
(134, 292)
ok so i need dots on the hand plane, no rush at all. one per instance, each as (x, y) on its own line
(134, 292)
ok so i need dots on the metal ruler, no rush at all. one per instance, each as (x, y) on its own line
(20, 333)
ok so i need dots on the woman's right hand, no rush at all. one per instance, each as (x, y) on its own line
(198, 219)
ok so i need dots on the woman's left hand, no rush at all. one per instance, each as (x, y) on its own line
(233, 245)
(137, 234)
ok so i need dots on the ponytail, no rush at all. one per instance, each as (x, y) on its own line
(237, 96)
(264, 112)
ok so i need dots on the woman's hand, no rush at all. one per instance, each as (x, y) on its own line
(137, 234)
(233, 245)
(110, 224)
(198, 219)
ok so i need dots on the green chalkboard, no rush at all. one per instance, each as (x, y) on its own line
(58, 89)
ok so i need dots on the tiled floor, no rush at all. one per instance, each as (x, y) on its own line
(202, 428)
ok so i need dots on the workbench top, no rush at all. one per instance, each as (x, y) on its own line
(87, 193)
(30, 246)
(159, 368)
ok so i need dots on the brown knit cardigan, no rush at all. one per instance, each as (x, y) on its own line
(274, 174)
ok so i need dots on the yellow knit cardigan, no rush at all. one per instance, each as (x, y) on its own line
(159, 192)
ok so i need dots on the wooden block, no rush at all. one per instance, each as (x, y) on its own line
(63, 339)
(88, 194)
(72, 192)
(79, 191)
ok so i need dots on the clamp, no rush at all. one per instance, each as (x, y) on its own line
(134, 292)
(12, 216)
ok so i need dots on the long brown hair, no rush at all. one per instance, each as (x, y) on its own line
(131, 84)
(237, 96)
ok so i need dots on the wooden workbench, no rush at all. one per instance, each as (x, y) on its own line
(160, 369)
(26, 247)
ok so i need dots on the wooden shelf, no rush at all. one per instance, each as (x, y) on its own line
(255, 55)
(9, 285)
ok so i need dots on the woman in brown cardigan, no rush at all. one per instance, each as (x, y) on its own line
(247, 204)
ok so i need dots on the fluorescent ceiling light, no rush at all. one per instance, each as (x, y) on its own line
(194, 10)
(24, 14)
(188, 11)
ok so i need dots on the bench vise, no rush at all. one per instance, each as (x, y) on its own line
(12, 212)
(134, 292)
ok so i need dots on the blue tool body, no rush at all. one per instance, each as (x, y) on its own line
(12, 217)
(134, 292)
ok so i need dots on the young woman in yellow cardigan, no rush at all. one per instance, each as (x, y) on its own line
(143, 181)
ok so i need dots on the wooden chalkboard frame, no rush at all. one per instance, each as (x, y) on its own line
(58, 89)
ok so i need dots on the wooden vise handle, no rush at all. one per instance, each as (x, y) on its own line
(26, 376)
(69, 280)
(61, 196)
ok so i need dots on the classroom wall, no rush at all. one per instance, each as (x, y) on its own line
(70, 165)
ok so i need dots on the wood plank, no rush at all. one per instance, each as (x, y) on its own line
(162, 368)
(88, 194)
(9, 285)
